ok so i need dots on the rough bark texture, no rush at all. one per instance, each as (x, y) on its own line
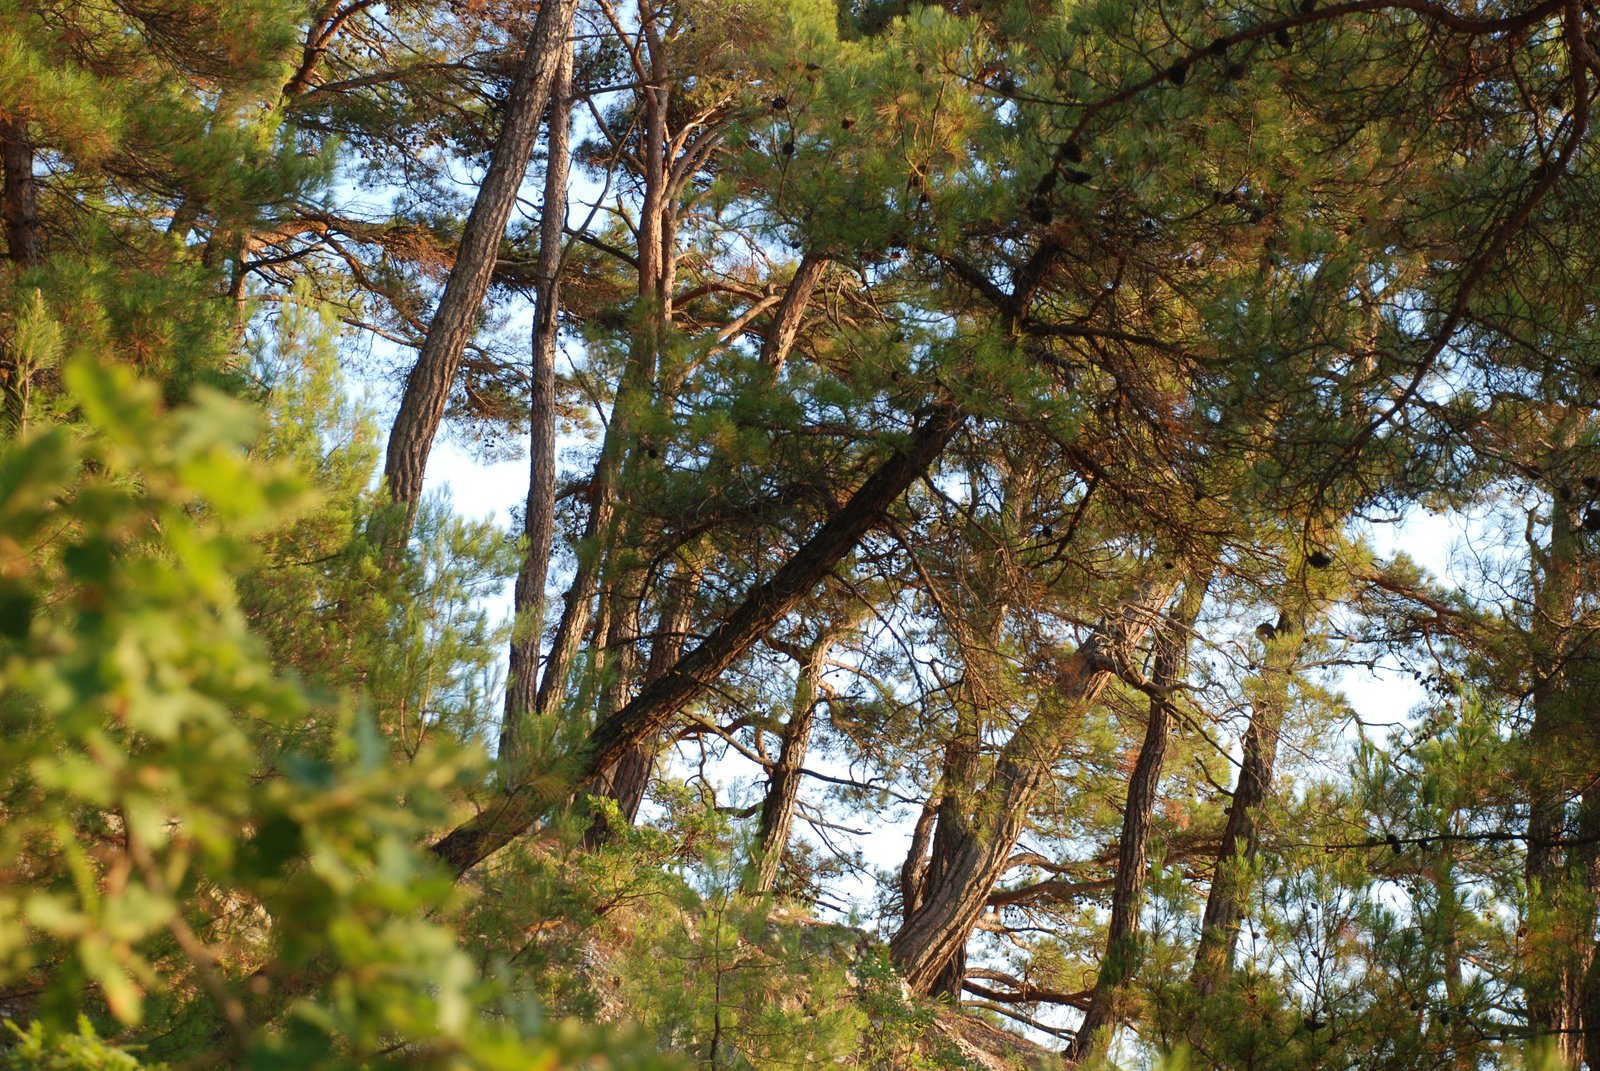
(454, 321)
(1219, 928)
(633, 769)
(618, 454)
(1559, 769)
(935, 934)
(914, 871)
(783, 787)
(1127, 898)
(18, 195)
(785, 327)
(626, 781)
(954, 832)
(698, 671)
(539, 521)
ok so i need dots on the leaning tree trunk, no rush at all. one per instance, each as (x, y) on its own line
(454, 321)
(785, 326)
(539, 522)
(935, 934)
(783, 788)
(1219, 927)
(697, 672)
(1122, 934)
(914, 871)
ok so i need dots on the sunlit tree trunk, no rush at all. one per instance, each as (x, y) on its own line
(1169, 665)
(456, 318)
(539, 522)
(1219, 927)
(935, 934)
(783, 786)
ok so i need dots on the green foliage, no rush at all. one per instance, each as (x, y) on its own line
(183, 855)
(36, 1049)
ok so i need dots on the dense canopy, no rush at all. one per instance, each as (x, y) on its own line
(1057, 533)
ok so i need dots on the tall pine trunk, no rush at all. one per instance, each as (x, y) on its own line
(539, 520)
(1219, 927)
(1122, 934)
(455, 320)
(697, 672)
(1560, 891)
(934, 935)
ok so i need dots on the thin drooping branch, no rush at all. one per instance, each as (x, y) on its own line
(455, 320)
(539, 522)
(697, 672)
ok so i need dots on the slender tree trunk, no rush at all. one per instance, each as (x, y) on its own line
(953, 835)
(785, 326)
(19, 215)
(696, 672)
(454, 321)
(1122, 934)
(618, 453)
(1219, 927)
(539, 522)
(18, 195)
(783, 788)
(1588, 996)
(1558, 768)
(914, 871)
(935, 934)
(632, 773)
(623, 582)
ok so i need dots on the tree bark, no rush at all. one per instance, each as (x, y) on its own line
(1219, 927)
(1559, 766)
(657, 255)
(1122, 934)
(672, 628)
(783, 787)
(785, 326)
(539, 521)
(953, 834)
(935, 934)
(767, 604)
(19, 195)
(914, 871)
(626, 781)
(454, 321)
